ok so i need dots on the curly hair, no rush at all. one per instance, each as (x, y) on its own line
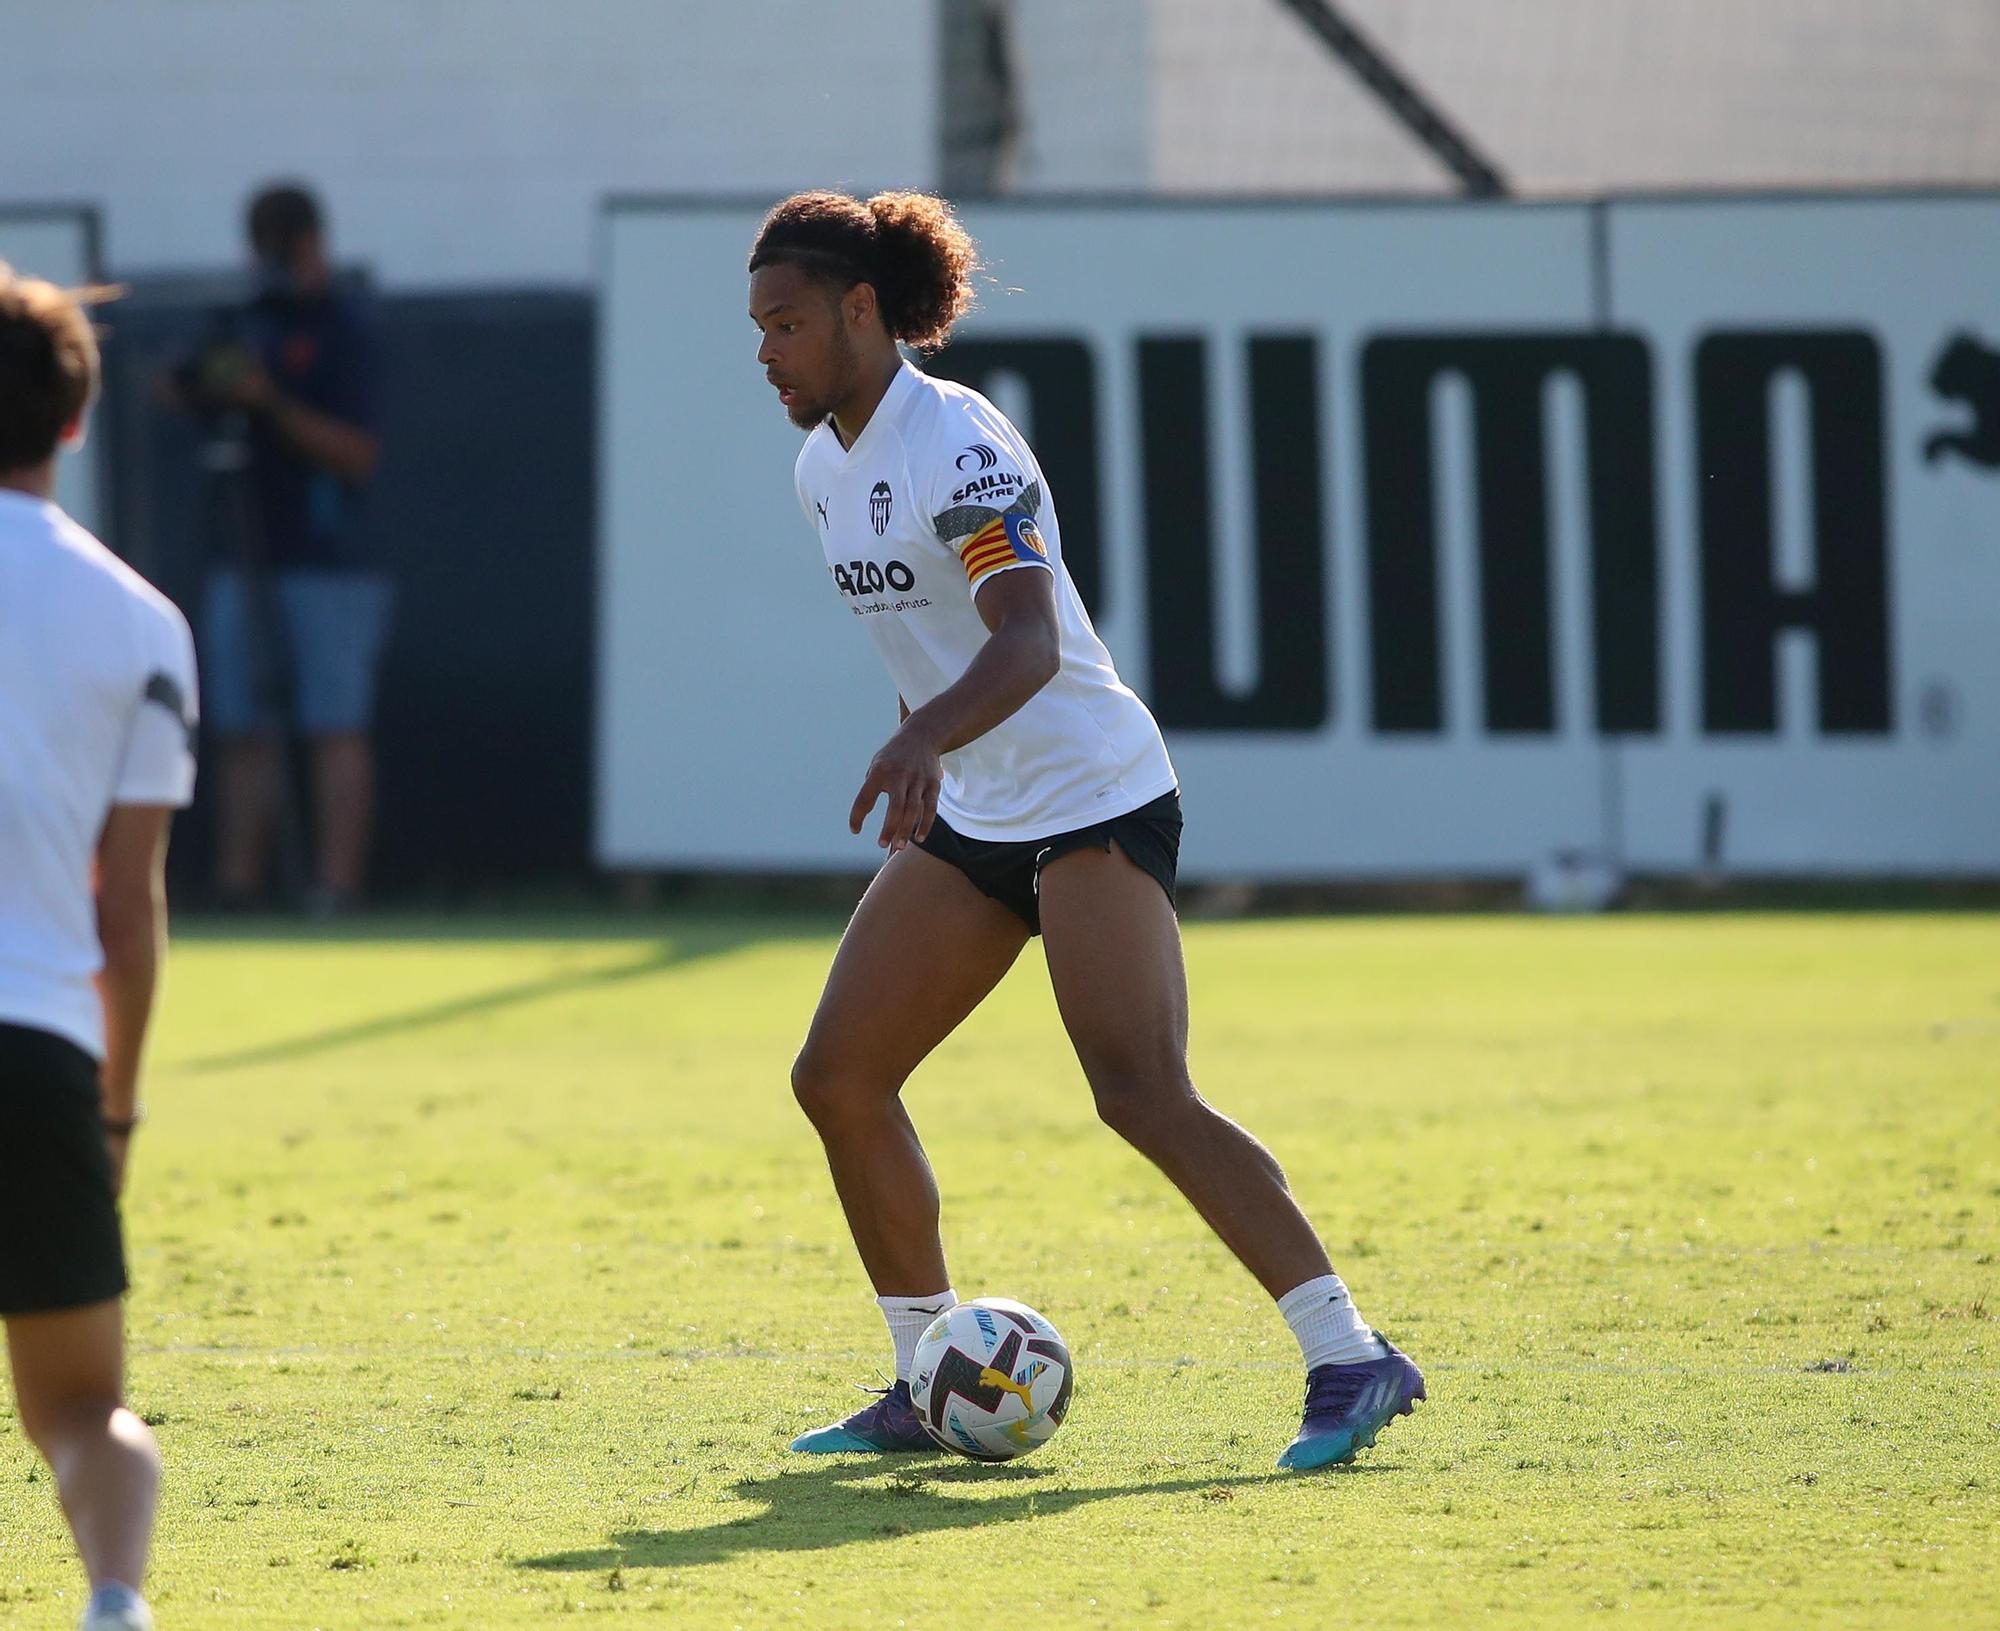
(908, 246)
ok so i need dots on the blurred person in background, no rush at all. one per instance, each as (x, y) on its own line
(297, 606)
(97, 729)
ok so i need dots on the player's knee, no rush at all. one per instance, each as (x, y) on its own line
(137, 1439)
(811, 1084)
(1143, 1106)
(828, 1092)
(58, 1427)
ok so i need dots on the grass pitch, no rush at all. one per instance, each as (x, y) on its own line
(482, 1274)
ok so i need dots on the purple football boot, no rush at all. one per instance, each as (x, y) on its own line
(1347, 1405)
(889, 1424)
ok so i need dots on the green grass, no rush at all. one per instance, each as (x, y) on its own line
(482, 1276)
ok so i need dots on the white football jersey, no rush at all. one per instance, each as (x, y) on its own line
(939, 494)
(97, 707)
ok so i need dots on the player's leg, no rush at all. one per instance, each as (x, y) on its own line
(343, 768)
(62, 1275)
(338, 624)
(923, 948)
(1114, 954)
(69, 1385)
(251, 761)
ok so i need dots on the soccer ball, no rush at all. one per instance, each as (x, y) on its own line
(991, 1379)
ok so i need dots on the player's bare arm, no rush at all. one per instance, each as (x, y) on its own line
(132, 926)
(1022, 655)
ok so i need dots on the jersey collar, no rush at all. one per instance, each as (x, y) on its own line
(890, 407)
(19, 506)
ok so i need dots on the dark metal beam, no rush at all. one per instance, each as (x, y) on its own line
(1405, 103)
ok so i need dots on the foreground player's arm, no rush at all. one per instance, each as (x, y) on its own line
(132, 926)
(1022, 654)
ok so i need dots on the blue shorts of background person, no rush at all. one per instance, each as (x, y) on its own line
(308, 656)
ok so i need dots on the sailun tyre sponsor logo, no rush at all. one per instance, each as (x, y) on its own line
(978, 457)
(998, 485)
(880, 502)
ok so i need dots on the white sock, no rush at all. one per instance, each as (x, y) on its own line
(114, 1604)
(908, 1317)
(1321, 1315)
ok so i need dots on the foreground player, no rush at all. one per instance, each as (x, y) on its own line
(96, 750)
(1028, 792)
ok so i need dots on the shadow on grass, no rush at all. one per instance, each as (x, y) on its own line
(847, 1502)
(694, 944)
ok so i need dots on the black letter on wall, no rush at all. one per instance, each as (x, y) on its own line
(1507, 375)
(1293, 685)
(1742, 607)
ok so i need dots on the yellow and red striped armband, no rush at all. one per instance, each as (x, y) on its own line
(1006, 540)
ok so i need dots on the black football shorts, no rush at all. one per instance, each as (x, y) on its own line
(60, 1242)
(1011, 870)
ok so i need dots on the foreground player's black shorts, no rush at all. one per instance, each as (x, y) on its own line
(60, 1245)
(1011, 870)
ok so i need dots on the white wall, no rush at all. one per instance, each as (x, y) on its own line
(457, 142)
(467, 142)
(1583, 95)
(1083, 73)
(738, 704)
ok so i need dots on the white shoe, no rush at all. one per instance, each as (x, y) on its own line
(116, 1608)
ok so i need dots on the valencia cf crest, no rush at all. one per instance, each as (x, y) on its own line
(880, 502)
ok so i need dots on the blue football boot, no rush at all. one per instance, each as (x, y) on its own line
(889, 1424)
(1347, 1405)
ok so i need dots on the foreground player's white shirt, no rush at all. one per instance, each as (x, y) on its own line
(97, 707)
(938, 495)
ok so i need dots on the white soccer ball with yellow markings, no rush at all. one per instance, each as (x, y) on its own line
(992, 1379)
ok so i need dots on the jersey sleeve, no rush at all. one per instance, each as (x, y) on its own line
(158, 762)
(983, 500)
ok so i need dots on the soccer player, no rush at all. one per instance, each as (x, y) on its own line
(1028, 792)
(97, 721)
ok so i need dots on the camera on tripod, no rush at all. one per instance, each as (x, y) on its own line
(208, 380)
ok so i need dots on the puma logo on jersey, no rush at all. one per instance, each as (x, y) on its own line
(820, 505)
(162, 689)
